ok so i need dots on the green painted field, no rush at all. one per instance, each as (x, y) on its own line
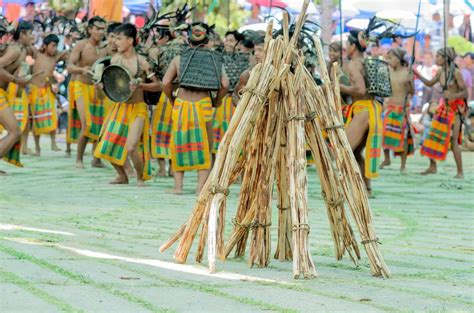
(425, 225)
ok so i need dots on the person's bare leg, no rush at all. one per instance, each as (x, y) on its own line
(96, 162)
(83, 140)
(386, 161)
(37, 145)
(170, 169)
(357, 129)
(161, 168)
(121, 178)
(404, 157)
(68, 150)
(133, 140)
(178, 183)
(210, 139)
(432, 169)
(202, 177)
(8, 121)
(129, 169)
(24, 139)
(54, 146)
(456, 148)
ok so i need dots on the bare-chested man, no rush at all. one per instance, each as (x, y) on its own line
(446, 124)
(191, 138)
(10, 60)
(364, 120)
(86, 110)
(42, 97)
(127, 132)
(397, 134)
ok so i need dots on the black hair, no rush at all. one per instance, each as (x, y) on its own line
(111, 28)
(95, 19)
(30, 3)
(259, 41)
(237, 35)
(50, 38)
(23, 27)
(248, 43)
(354, 39)
(128, 30)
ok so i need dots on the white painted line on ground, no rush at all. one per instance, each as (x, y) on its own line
(39, 230)
(183, 268)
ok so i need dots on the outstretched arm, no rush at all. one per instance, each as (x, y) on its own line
(426, 81)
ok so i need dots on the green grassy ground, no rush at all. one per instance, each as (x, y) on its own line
(425, 225)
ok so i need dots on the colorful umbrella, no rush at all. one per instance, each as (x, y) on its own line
(461, 45)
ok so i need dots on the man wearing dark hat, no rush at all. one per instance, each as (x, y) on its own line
(446, 125)
(199, 71)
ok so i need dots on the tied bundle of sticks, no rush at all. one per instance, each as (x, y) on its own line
(281, 110)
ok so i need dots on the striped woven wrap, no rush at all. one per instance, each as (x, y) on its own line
(12, 156)
(436, 144)
(43, 110)
(397, 131)
(18, 100)
(222, 116)
(93, 109)
(113, 138)
(161, 128)
(373, 146)
(189, 145)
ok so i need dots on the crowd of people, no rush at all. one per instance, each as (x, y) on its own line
(184, 87)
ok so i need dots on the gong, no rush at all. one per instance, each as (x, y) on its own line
(116, 80)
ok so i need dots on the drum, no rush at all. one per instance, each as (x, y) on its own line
(116, 80)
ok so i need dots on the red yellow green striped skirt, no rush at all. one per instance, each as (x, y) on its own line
(189, 144)
(221, 120)
(12, 156)
(397, 130)
(436, 144)
(43, 110)
(93, 108)
(345, 112)
(18, 100)
(161, 126)
(373, 146)
(113, 138)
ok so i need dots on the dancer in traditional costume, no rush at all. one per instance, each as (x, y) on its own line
(447, 122)
(199, 71)
(86, 109)
(235, 63)
(364, 121)
(42, 97)
(168, 48)
(397, 133)
(127, 127)
(11, 57)
(258, 54)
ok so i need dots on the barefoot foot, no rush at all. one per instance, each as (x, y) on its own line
(161, 173)
(56, 148)
(175, 191)
(80, 165)
(97, 163)
(385, 163)
(459, 176)
(140, 183)
(428, 172)
(119, 181)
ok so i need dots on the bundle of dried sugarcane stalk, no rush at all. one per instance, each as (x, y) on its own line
(276, 118)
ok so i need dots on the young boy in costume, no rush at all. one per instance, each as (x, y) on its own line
(446, 124)
(397, 134)
(11, 58)
(86, 110)
(42, 98)
(191, 138)
(127, 128)
(364, 123)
